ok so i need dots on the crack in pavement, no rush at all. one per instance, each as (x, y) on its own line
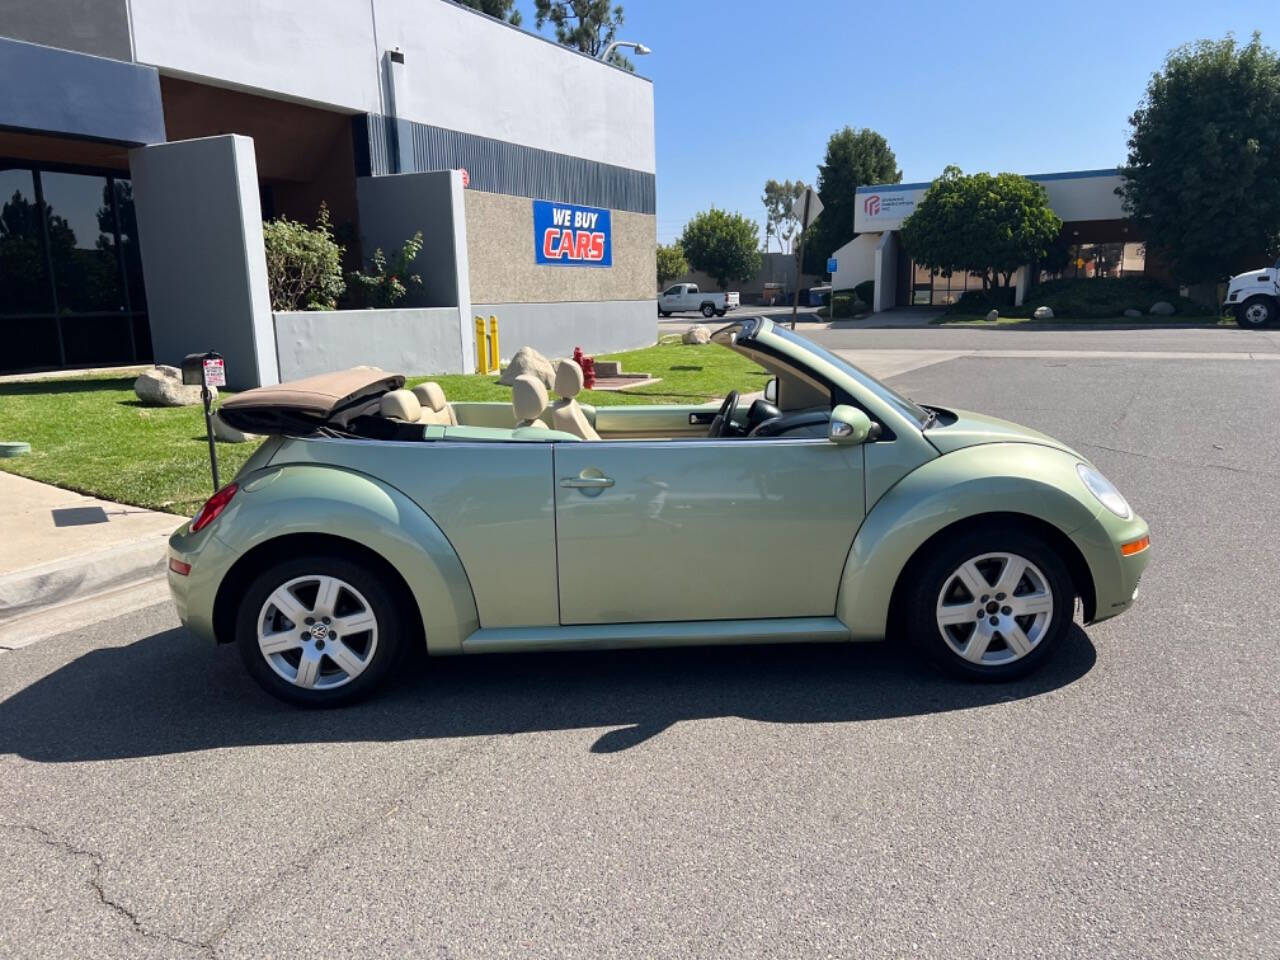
(1180, 463)
(54, 842)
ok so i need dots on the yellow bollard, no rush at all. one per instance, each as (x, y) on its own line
(482, 351)
(494, 356)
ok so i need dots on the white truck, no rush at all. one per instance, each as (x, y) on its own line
(686, 296)
(1253, 298)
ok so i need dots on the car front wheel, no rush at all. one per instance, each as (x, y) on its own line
(1256, 312)
(991, 605)
(318, 631)
(708, 310)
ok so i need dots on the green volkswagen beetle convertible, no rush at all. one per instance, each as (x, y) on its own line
(828, 509)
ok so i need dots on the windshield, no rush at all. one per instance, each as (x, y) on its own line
(904, 405)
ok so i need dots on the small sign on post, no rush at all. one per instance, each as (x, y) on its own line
(806, 210)
(206, 370)
(831, 266)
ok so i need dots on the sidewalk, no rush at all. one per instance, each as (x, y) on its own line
(57, 546)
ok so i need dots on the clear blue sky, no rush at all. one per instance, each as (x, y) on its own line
(1027, 87)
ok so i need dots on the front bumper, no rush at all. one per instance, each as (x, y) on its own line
(1115, 575)
(195, 592)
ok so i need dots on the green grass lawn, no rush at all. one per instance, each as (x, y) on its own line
(92, 435)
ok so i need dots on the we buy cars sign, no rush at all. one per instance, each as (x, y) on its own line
(567, 235)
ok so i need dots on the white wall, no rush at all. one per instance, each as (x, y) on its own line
(886, 274)
(463, 71)
(855, 261)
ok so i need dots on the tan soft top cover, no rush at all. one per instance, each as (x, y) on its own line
(328, 398)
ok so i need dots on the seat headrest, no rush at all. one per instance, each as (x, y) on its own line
(568, 379)
(400, 405)
(430, 395)
(528, 397)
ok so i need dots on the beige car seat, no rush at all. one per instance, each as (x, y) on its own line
(566, 414)
(435, 409)
(528, 399)
(400, 405)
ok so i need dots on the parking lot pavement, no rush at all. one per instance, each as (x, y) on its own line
(757, 802)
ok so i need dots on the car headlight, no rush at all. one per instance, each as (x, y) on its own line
(1104, 490)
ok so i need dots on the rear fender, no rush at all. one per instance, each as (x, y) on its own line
(1018, 478)
(304, 499)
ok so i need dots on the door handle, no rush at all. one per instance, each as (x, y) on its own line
(587, 483)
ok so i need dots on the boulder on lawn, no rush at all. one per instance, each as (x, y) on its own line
(228, 434)
(993, 316)
(162, 386)
(697, 334)
(1043, 313)
(529, 361)
(1163, 308)
(1133, 314)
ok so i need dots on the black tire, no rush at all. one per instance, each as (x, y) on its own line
(721, 313)
(382, 603)
(708, 310)
(664, 313)
(929, 577)
(1256, 313)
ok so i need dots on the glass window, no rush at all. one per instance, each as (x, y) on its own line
(24, 276)
(82, 243)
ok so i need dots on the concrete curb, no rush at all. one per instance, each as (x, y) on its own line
(26, 591)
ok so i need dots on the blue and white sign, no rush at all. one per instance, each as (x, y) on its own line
(567, 235)
(831, 265)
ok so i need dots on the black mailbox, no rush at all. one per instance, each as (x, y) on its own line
(193, 367)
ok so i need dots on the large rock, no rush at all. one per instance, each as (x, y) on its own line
(1133, 314)
(529, 361)
(1043, 313)
(1163, 308)
(993, 315)
(162, 386)
(226, 433)
(697, 334)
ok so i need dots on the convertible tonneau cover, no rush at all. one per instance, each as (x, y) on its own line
(301, 406)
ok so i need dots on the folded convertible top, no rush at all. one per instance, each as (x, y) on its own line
(302, 406)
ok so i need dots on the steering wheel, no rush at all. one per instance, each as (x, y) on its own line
(720, 425)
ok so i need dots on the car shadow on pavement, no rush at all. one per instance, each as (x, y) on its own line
(172, 693)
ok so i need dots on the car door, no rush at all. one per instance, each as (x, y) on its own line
(703, 529)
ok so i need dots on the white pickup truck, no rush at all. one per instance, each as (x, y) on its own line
(686, 296)
(1253, 298)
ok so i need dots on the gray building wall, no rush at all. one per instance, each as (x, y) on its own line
(100, 27)
(410, 341)
(200, 229)
(554, 329)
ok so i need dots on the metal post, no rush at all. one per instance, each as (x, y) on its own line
(208, 426)
(494, 357)
(804, 225)
(482, 347)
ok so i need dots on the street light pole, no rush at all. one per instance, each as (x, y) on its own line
(639, 48)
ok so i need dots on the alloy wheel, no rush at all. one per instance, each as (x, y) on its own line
(995, 608)
(1256, 314)
(317, 632)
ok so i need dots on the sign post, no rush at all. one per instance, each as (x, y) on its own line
(807, 209)
(207, 370)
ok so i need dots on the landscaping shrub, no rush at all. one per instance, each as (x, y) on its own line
(865, 291)
(304, 264)
(1082, 298)
(387, 283)
(846, 303)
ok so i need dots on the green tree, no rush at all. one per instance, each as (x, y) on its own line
(981, 223)
(780, 223)
(723, 245)
(586, 25)
(1203, 172)
(671, 263)
(854, 158)
(304, 264)
(502, 9)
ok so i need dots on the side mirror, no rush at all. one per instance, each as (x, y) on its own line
(850, 426)
(771, 390)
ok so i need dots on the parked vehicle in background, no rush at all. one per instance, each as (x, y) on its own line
(686, 296)
(1253, 298)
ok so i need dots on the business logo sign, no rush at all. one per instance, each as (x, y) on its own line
(567, 235)
(872, 205)
(886, 209)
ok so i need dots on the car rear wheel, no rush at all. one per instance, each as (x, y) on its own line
(708, 310)
(991, 605)
(1256, 312)
(318, 631)
(664, 313)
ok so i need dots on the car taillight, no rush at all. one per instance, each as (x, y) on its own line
(212, 507)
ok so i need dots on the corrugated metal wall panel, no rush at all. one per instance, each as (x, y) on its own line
(496, 166)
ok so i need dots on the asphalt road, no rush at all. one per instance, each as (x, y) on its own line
(759, 802)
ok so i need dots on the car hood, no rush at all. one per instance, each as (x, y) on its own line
(957, 429)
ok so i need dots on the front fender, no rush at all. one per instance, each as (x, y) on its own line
(305, 499)
(1025, 478)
